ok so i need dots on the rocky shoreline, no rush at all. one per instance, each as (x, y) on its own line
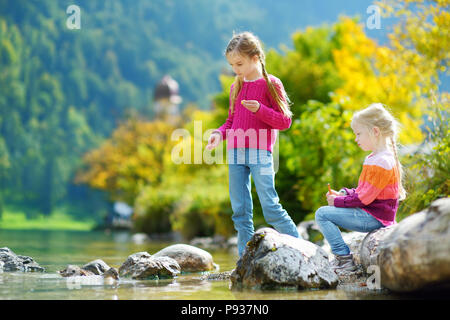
(408, 257)
(166, 263)
(412, 256)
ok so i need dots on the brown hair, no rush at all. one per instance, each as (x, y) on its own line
(376, 115)
(247, 44)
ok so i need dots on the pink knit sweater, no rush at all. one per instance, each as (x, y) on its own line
(246, 129)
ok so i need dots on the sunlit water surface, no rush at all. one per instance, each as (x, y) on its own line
(54, 250)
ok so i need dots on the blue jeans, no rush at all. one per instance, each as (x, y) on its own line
(328, 219)
(259, 163)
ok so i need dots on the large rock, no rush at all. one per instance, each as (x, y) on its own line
(142, 265)
(132, 260)
(416, 254)
(190, 258)
(273, 260)
(13, 262)
(369, 248)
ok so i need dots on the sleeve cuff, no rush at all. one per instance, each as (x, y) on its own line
(339, 202)
(275, 119)
(261, 111)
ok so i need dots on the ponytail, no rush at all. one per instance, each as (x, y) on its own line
(237, 86)
(282, 101)
(401, 189)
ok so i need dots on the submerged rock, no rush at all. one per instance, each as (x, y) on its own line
(273, 260)
(73, 271)
(220, 276)
(111, 273)
(97, 267)
(190, 258)
(13, 262)
(142, 265)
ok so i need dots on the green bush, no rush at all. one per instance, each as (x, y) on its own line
(204, 208)
(153, 208)
(427, 170)
(318, 149)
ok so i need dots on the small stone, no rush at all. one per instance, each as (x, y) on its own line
(190, 258)
(111, 273)
(73, 270)
(97, 266)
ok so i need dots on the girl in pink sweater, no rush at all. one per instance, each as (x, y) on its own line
(258, 109)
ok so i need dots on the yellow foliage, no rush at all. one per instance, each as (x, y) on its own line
(134, 156)
(373, 73)
(136, 166)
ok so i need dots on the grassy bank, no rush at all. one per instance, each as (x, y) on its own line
(16, 219)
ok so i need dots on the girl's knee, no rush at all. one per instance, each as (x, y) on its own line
(321, 213)
(241, 209)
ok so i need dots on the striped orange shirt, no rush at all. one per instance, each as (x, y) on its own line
(378, 188)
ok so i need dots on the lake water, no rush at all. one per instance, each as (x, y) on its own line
(54, 250)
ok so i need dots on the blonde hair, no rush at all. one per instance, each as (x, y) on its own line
(247, 44)
(376, 115)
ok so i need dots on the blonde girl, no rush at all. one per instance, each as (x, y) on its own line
(373, 204)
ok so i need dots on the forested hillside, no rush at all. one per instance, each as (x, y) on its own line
(62, 92)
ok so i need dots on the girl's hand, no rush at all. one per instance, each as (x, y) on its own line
(214, 140)
(330, 199)
(334, 192)
(252, 105)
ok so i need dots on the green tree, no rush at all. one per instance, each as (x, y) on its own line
(422, 32)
